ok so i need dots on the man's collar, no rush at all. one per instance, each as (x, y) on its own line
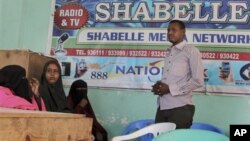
(181, 45)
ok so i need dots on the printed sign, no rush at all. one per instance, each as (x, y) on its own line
(121, 44)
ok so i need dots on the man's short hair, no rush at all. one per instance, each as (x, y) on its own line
(181, 23)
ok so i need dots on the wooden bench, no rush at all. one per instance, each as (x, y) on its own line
(24, 125)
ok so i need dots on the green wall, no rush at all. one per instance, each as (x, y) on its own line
(116, 108)
(25, 24)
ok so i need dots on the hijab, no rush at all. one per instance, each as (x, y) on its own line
(14, 78)
(53, 94)
(78, 91)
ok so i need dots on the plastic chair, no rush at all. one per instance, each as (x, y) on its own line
(206, 126)
(139, 124)
(154, 129)
(135, 125)
(191, 135)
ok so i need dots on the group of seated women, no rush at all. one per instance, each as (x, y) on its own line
(16, 91)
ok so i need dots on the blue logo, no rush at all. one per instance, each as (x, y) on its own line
(245, 72)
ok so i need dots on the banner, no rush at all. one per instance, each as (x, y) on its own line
(226, 72)
(121, 44)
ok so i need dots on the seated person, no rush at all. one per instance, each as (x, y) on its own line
(51, 88)
(17, 92)
(79, 101)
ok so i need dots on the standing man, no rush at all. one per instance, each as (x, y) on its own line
(183, 73)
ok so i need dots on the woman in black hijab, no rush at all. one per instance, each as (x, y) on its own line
(79, 101)
(51, 88)
(14, 78)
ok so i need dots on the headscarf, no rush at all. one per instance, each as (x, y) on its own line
(78, 91)
(14, 78)
(53, 94)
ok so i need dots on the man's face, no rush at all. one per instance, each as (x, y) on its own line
(175, 33)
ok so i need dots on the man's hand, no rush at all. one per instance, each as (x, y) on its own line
(160, 88)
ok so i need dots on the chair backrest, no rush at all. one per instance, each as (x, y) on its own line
(191, 135)
(136, 125)
(139, 124)
(155, 129)
(206, 126)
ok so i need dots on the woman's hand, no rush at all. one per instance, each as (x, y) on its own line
(83, 103)
(34, 84)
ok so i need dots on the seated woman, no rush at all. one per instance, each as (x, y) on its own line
(17, 92)
(79, 101)
(51, 88)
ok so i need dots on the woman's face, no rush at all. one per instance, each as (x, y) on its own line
(52, 73)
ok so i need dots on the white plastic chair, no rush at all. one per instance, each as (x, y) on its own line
(155, 129)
